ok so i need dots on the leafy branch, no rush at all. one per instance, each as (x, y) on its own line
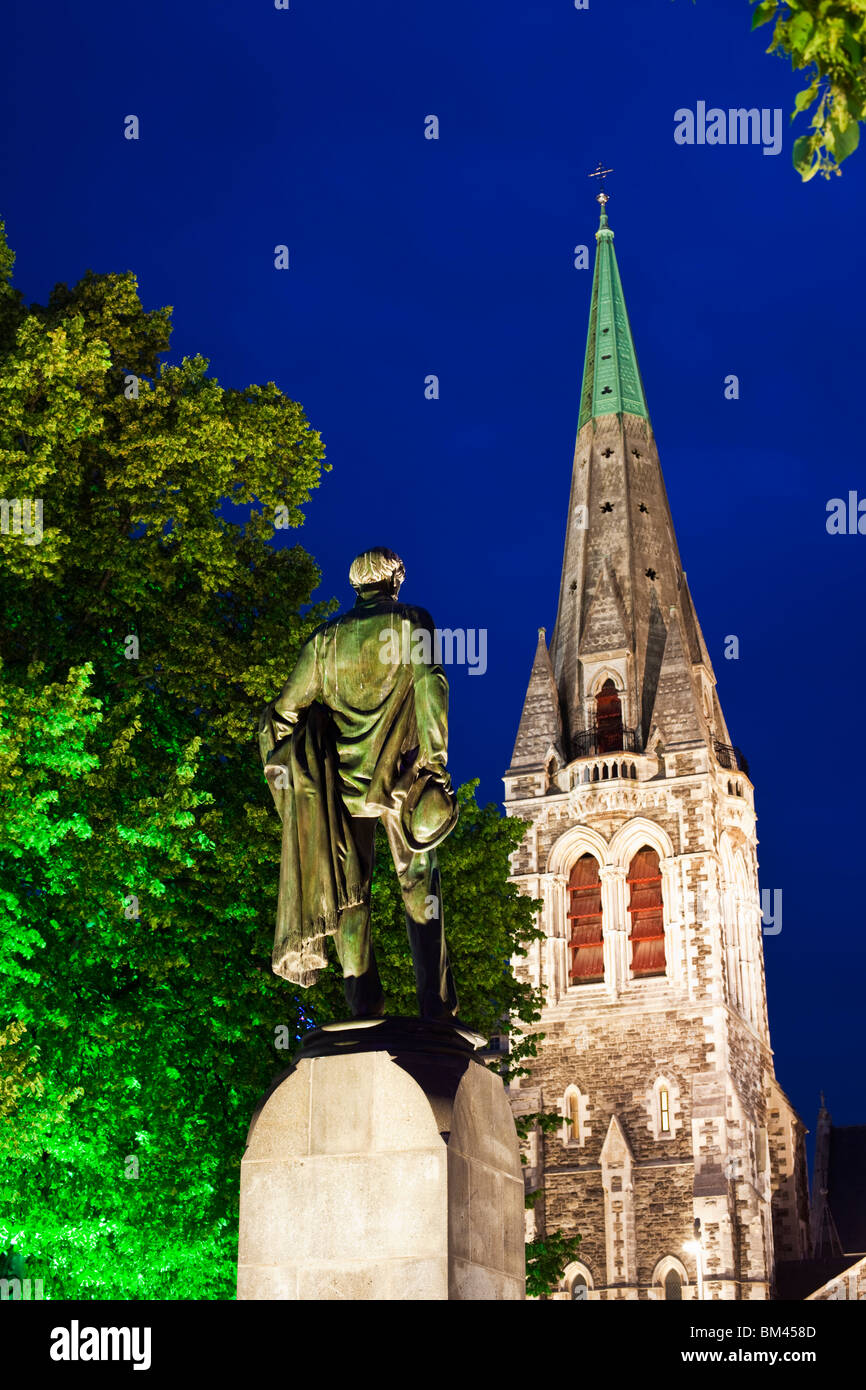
(545, 1261)
(828, 38)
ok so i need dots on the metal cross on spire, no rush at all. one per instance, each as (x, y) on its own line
(599, 173)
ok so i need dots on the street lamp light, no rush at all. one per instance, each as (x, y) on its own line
(696, 1247)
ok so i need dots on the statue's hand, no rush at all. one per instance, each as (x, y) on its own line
(436, 770)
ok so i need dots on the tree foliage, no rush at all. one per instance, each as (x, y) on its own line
(546, 1259)
(139, 637)
(828, 39)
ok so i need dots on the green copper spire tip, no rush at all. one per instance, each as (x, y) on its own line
(611, 376)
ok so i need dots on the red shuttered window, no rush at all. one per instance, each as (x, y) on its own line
(584, 915)
(647, 918)
(608, 719)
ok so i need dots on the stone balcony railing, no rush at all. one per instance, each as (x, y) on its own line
(586, 743)
(591, 767)
(610, 767)
(731, 757)
(602, 764)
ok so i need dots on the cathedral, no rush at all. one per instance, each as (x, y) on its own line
(678, 1158)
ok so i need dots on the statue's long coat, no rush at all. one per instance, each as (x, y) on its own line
(364, 709)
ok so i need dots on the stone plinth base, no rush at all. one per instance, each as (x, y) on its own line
(383, 1165)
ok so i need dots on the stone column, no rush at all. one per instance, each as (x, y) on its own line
(383, 1165)
(555, 910)
(615, 925)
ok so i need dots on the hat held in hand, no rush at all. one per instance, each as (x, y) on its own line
(429, 812)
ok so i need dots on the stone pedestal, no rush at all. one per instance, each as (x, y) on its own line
(383, 1165)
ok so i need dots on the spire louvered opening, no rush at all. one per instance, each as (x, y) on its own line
(608, 718)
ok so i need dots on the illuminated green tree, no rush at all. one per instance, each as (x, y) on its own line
(139, 632)
(145, 617)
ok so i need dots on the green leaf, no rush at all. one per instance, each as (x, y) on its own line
(801, 156)
(805, 98)
(846, 141)
(764, 13)
(799, 30)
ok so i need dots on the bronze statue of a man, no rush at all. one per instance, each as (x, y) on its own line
(359, 733)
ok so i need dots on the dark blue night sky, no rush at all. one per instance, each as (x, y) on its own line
(454, 257)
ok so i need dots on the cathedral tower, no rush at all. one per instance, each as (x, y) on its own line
(642, 848)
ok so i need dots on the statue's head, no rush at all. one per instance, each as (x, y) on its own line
(379, 568)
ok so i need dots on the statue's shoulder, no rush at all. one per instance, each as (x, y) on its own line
(324, 627)
(385, 608)
(418, 617)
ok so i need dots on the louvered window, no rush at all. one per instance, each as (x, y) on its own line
(647, 918)
(584, 915)
(608, 719)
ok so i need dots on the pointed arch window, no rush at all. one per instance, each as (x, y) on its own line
(577, 1281)
(573, 1115)
(664, 1110)
(670, 1280)
(647, 913)
(574, 1109)
(584, 915)
(608, 718)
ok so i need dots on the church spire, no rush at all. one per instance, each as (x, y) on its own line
(611, 376)
(624, 616)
